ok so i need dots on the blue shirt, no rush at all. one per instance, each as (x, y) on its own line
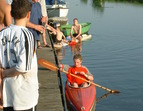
(35, 18)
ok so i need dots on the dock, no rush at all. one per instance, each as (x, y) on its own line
(51, 96)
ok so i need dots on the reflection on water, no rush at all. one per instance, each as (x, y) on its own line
(130, 1)
(60, 54)
(99, 5)
(104, 96)
(75, 49)
(84, 1)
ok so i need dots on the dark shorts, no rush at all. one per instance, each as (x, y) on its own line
(75, 35)
(11, 109)
(58, 41)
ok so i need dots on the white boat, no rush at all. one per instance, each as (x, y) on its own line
(56, 8)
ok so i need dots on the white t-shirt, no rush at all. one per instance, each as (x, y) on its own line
(17, 49)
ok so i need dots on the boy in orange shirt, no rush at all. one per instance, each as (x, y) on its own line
(78, 70)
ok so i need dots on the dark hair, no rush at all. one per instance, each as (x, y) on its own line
(75, 19)
(77, 56)
(20, 8)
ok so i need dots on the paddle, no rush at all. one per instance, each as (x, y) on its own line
(51, 66)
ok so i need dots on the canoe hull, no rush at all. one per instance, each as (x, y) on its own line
(67, 28)
(81, 99)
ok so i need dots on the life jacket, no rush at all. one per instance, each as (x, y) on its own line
(76, 70)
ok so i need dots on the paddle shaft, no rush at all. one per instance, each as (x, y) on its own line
(51, 66)
(87, 80)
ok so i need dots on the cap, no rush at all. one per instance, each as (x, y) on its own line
(56, 24)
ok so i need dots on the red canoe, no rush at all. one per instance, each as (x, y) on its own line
(80, 99)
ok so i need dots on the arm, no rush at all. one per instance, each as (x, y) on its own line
(64, 40)
(64, 67)
(63, 36)
(8, 17)
(88, 75)
(10, 72)
(43, 19)
(39, 28)
(71, 32)
(1, 71)
(50, 28)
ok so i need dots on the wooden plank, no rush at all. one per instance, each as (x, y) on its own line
(50, 97)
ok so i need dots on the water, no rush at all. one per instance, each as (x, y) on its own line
(115, 53)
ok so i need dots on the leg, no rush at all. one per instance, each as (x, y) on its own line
(38, 44)
(80, 39)
(73, 39)
(74, 85)
(44, 38)
(85, 84)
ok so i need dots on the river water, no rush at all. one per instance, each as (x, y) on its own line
(114, 55)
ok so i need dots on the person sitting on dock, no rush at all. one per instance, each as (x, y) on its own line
(60, 37)
(77, 31)
(78, 70)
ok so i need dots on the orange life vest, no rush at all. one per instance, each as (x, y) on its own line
(76, 70)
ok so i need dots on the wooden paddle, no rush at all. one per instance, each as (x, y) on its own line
(52, 66)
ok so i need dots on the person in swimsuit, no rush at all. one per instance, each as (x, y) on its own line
(59, 35)
(76, 27)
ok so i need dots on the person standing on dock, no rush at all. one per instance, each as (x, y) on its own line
(18, 61)
(44, 20)
(35, 24)
(76, 27)
(5, 16)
